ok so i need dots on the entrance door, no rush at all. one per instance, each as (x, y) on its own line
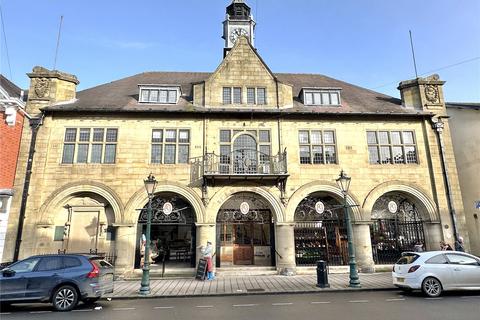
(243, 244)
(83, 235)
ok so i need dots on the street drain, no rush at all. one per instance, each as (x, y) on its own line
(255, 290)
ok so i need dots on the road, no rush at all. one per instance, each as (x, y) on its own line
(390, 305)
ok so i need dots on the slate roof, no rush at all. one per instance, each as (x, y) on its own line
(463, 105)
(122, 96)
(12, 89)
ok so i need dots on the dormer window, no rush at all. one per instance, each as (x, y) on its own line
(159, 94)
(321, 97)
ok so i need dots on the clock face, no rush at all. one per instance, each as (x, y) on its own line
(237, 33)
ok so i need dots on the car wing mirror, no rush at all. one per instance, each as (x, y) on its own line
(8, 272)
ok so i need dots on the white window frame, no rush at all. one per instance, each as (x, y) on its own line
(142, 88)
(321, 92)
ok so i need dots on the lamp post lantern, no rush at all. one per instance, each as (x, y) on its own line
(343, 182)
(150, 185)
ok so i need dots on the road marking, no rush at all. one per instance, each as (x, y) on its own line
(245, 305)
(204, 306)
(358, 301)
(396, 299)
(320, 302)
(122, 309)
(40, 311)
(82, 310)
(4, 313)
(163, 307)
(282, 304)
(433, 298)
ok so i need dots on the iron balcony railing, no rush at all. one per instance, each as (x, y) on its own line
(245, 162)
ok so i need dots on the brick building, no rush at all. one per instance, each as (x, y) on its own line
(244, 157)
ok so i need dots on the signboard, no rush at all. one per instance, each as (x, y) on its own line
(244, 207)
(167, 208)
(392, 207)
(201, 269)
(319, 207)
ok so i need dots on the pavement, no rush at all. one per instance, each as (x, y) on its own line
(247, 285)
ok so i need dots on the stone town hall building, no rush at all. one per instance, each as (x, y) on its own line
(245, 157)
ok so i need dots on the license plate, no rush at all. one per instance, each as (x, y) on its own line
(401, 279)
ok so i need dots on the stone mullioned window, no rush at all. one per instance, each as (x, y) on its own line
(234, 95)
(90, 145)
(170, 146)
(317, 146)
(392, 147)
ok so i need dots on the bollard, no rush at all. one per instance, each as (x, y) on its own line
(322, 274)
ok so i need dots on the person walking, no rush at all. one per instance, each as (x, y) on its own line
(207, 253)
(459, 246)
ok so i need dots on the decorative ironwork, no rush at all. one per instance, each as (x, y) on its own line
(235, 216)
(307, 209)
(178, 212)
(395, 232)
(245, 162)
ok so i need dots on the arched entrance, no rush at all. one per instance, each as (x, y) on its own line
(173, 233)
(245, 232)
(397, 226)
(320, 232)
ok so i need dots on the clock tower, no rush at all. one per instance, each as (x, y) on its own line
(238, 22)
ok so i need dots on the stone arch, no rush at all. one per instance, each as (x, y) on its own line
(140, 198)
(226, 193)
(47, 210)
(428, 212)
(321, 186)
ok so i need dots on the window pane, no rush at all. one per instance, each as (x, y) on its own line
(71, 262)
(304, 154)
(317, 154)
(172, 96)
(308, 98)
(439, 259)
(251, 95)
(183, 153)
(82, 153)
(68, 150)
(70, 135)
(303, 137)
(316, 137)
(98, 134)
(145, 93)
(325, 98)
(261, 96)
(383, 137)
(264, 136)
(96, 156)
(397, 154)
(112, 135)
(110, 153)
(84, 134)
(58, 235)
(371, 137)
(225, 136)
(330, 155)
(184, 136)
(411, 154)
(385, 155)
(237, 95)
(170, 135)
(156, 153)
(163, 96)
(157, 135)
(227, 95)
(25, 265)
(153, 96)
(395, 136)
(407, 137)
(373, 155)
(170, 153)
(334, 98)
(328, 137)
(317, 98)
(50, 264)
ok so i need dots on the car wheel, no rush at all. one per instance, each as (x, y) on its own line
(65, 298)
(432, 287)
(90, 300)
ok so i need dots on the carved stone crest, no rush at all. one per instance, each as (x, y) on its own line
(42, 87)
(431, 93)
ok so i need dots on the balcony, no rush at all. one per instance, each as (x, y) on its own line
(245, 164)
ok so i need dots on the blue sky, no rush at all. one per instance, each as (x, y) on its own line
(362, 42)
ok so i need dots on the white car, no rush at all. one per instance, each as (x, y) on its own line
(436, 271)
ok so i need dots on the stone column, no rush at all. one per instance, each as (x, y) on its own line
(363, 247)
(433, 235)
(125, 245)
(285, 246)
(206, 232)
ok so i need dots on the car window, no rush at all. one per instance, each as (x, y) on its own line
(461, 259)
(71, 262)
(49, 264)
(25, 265)
(438, 259)
(408, 258)
(101, 263)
